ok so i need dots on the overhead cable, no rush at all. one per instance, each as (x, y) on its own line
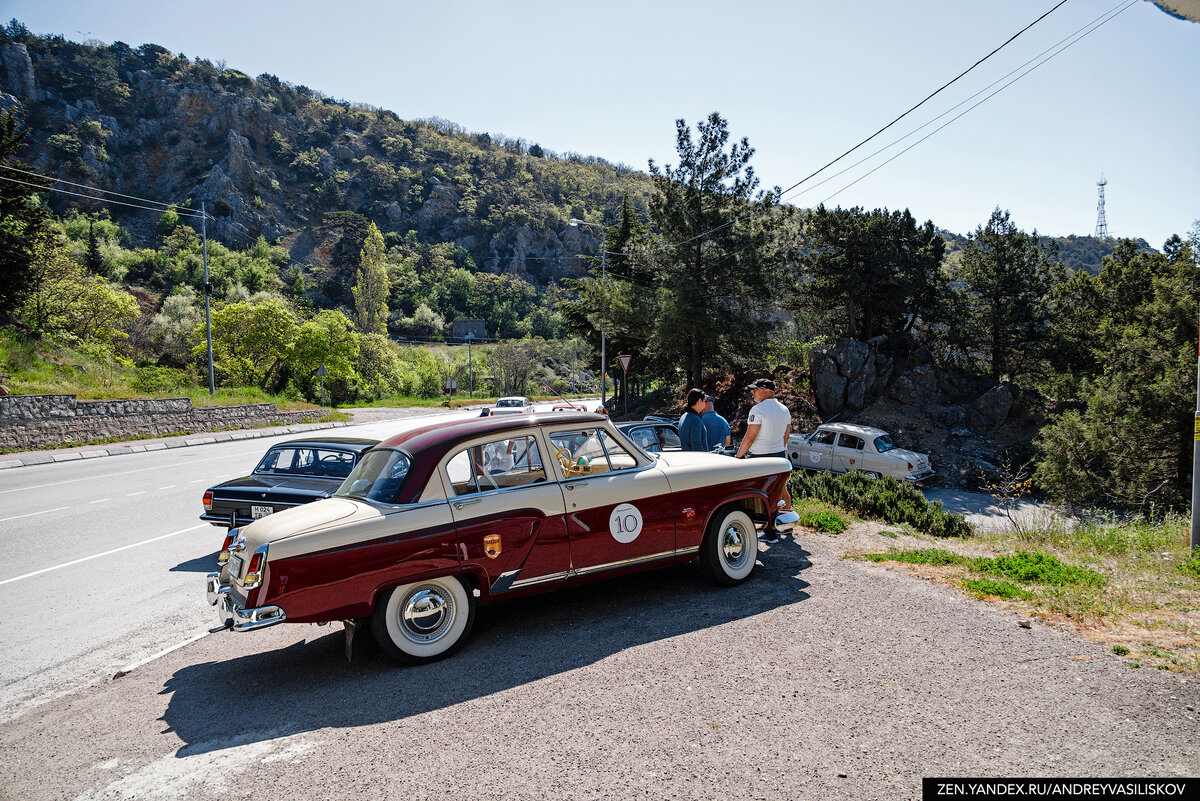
(165, 206)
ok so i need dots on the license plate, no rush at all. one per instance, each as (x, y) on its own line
(260, 511)
(235, 566)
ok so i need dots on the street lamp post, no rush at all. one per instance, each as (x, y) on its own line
(470, 368)
(603, 365)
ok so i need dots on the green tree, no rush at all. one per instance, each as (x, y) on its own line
(879, 266)
(1008, 276)
(371, 286)
(251, 341)
(327, 339)
(717, 256)
(1131, 444)
(24, 224)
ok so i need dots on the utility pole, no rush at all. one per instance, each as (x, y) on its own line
(212, 387)
(470, 368)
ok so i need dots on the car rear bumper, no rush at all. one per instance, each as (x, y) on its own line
(918, 477)
(234, 615)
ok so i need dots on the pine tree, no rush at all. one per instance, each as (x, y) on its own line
(371, 285)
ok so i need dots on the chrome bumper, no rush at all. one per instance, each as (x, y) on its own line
(785, 522)
(921, 476)
(234, 616)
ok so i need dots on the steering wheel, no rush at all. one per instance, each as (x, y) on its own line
(564, 461)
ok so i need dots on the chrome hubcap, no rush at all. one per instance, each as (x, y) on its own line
(426, 613)
(733, 546)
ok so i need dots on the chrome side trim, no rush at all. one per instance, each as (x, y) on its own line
(685, 551)
(530, 582)
(625, 563)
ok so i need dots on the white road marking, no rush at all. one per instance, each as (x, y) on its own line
(132, 472)
(130, 668)
(139, 492)
(102, 500)
(31, 514)
(169, 486)
(98, 555)
(195, 481)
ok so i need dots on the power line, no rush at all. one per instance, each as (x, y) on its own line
(929, 97)
(965, 101)
(97, 189)
(1093, 25)
(90, 197)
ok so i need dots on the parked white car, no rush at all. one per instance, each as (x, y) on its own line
(514, 404)
(842, 447)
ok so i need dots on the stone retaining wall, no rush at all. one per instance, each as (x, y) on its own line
(29, 422)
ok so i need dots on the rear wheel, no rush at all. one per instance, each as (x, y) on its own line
(424, 621)
(730, 547)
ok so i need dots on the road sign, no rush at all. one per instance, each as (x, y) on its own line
(625, 360)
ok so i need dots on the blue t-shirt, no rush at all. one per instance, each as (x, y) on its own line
(692, 435)
(717, 428)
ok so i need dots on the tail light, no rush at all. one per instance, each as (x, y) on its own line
(208, 501)
(254, 571)
(910, 465)
(223, 556)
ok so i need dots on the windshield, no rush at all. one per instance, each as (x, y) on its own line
(884, 444)
(510, 402)
(378, 477)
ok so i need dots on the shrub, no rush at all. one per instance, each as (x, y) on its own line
(1038, 568)
(919, 556)
(885, 499)
(1190, 567)
(997, 587)
(823, 521)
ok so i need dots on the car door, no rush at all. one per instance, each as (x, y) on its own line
(508, 511)
(847, 453)
(818, 454)
(619, 510)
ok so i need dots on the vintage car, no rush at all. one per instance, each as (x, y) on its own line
(440, 518)
(289, 474)
(653, 436)
(842, 447)
(512, 405)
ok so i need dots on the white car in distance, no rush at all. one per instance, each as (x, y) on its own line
(514, 404)
(842, 447)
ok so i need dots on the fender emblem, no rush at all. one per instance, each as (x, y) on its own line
(689, 512)
(492, 545)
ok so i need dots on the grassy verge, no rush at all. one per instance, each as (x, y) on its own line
(1130, 585)
(879, 499)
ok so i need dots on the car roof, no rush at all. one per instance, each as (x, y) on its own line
(428, 444)
(852, 428)
(631, 423)
(356, 444)
(512, 397)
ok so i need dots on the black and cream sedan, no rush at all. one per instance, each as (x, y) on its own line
(290, 474)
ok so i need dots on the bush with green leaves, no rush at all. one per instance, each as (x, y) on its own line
(883, 499)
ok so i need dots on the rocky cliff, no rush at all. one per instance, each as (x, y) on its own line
(270, 158)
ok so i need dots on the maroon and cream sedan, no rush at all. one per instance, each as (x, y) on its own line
(437, 519)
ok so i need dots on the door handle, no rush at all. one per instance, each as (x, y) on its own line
(571, 487)
(467, 502)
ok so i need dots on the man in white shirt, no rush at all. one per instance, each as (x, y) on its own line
(767, 429)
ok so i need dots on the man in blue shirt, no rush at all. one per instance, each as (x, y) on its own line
(692, 434)
(716, 426)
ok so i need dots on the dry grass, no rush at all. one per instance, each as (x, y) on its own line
(1147, 609)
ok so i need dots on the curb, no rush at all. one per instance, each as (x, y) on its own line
(185, 441)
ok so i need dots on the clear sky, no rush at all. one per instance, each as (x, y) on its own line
(803, 80)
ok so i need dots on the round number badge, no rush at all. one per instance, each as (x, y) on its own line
(625, 523)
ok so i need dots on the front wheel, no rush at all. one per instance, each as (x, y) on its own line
(424, 621)
(730, 547)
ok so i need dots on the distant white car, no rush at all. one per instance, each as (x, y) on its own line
(516, 404)
(842, 447)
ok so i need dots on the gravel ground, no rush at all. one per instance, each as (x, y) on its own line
(818, 678)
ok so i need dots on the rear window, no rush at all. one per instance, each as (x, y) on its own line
(508, 403)
(306, 461)
(378, 477)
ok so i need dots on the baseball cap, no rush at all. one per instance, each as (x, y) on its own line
(762, 383)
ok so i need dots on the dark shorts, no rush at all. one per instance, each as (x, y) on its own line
(776, 454)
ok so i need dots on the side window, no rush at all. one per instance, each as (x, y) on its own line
(589, 452)
(500, 464)
(851, 441)
(825, 437)
(670, 438)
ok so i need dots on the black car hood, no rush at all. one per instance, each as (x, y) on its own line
(252, 487)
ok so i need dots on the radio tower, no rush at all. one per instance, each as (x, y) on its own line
(1101, 223)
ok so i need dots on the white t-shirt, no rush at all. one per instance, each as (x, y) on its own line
(774, 419)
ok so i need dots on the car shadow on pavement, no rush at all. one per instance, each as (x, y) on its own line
(309, 685)
(201, 564)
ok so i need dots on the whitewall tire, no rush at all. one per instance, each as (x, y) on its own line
(425, 620)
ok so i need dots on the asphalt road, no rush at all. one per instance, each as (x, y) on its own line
(818, 677)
